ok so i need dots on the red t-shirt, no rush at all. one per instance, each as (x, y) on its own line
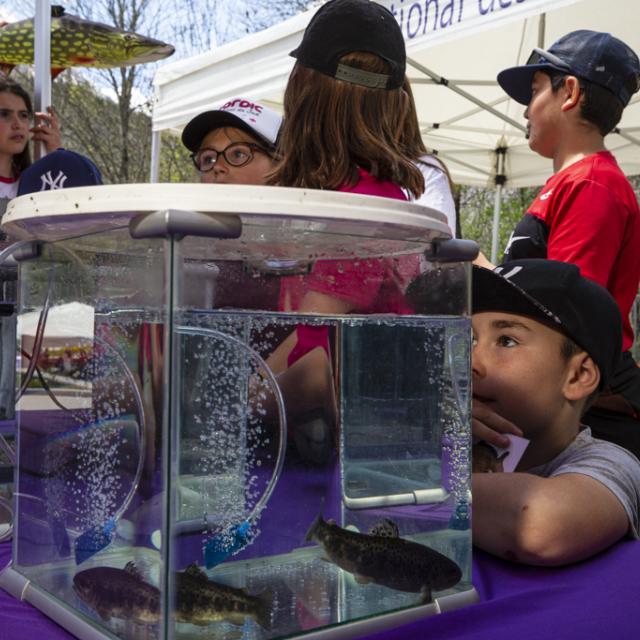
(587, 214)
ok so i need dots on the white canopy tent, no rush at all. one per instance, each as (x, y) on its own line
(455, 50)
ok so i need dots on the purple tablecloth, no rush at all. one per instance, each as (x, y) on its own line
(591, 600)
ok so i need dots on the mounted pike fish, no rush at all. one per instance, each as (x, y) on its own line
(386, 559)
(118, 593)
(78, 43)
(201, 601)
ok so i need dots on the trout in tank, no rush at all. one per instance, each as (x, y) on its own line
(201, 601)
(387, 560)
(118, 593)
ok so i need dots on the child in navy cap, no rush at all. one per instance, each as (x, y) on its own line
(546, 341)
(587, 213)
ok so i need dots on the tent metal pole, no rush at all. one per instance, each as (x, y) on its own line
(500, 179)
(155, 156)
(542, 25)
(623, 134)
(468, 165)
(42, 59)
(465, 94)
(496, 224)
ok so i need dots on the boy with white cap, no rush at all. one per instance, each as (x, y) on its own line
(235, 143)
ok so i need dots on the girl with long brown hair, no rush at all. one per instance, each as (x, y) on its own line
(344, 110)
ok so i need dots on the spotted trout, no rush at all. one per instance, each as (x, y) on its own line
(76, 42)
(201, 601)
(386, 560)
(118, 593)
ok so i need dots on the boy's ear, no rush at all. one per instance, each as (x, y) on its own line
(571, 92)
(583, 377)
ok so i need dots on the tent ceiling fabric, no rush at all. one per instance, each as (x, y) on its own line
(466, 43)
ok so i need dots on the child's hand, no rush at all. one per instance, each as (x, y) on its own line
(47, 130)
(487, 425)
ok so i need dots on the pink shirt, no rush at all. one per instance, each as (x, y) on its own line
(370, 285)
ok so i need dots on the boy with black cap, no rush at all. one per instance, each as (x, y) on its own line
(587, 212)
(545, 340)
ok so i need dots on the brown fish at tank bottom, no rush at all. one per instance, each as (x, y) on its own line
(201, 601)
(118, 593)
(485, 459)
(386, 560)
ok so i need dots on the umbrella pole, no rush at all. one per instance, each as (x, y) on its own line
(42, 58)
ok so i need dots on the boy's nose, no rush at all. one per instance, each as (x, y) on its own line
(477, 362)
(220, 167)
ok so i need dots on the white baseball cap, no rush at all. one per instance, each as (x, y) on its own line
(250, 116)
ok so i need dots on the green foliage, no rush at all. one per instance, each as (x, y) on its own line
(92, 125)
(175, 163)
(476, 214)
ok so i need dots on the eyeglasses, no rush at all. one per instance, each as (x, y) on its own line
(237, 154)
(540, 56)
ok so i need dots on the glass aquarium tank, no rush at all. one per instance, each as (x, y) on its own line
(241, 412)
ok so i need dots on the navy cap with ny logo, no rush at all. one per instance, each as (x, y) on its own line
(60, 169)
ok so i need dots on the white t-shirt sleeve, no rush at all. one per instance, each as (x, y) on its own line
(437, 192)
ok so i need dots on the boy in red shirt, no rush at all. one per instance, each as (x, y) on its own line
(587, 212)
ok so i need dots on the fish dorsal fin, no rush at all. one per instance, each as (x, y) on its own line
(56, 11)
(132, 569)
(385, 528)
(195, 571)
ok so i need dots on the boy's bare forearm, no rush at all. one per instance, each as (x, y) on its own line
(544, 521)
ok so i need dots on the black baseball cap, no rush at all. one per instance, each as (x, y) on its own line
(594, 56)
(340, 27)
(554, 293)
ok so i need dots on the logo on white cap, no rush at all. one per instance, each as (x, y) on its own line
(264, 121)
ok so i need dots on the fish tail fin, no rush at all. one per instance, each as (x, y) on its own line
(313, 529)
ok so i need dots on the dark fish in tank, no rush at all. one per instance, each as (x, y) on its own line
(386, 560)
(201, 601)
(118, 593)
